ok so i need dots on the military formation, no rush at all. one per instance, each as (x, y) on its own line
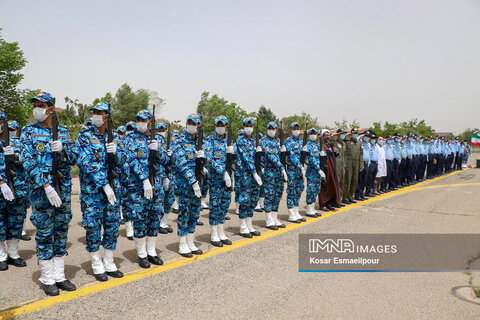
(139, 173)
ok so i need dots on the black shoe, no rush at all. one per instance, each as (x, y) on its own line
(3, 265)
(50, 290)
(281, 225)
(345, 201)
(302, 219)
(352, 201)
(130, 238)
(255, 233)
(199, 223)
(312, 215)
(163, 230)
(66, 285)
(115, 274)
(122, 221)
(170, 230)
(358, 199)
(25, 237)
(175, 211)
(197, 252)
(246, 235)
(227, 218)
(19, 262)
(296, 221)
(216, 243)
(186, 255)
(155, 260)
(227, 242)
(258, 210)
(101, 277)
(143, 263)
(274, 227)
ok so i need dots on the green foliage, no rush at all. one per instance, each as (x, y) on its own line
(345, 125)
(210, 107)
(13, 100)
(127, 103)
(467, 134)
(405, 127)
(302, 119)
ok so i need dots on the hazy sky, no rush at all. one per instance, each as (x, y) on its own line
(366, 60)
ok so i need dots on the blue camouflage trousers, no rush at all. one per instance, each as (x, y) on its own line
(236, 187)
(169, 198)
(188, 210)
(146, 213)
(248, 194)
(51, 223)
(314, 184)
(126, 204)
(97, 212)
(220, 199)
(261, 193)
(295, 187)
(273, 188)
(12, 214)
(205, 185)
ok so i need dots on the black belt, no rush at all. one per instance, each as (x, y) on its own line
(373, 161)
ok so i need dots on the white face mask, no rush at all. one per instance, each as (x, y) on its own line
(380, 142)
(313, 137)
(271, 133)
(220, 130)
(142, 127)
(248, 131)
(13, 134)
(191, 129)
(163, 134)
(39, 114)
(296, 133)
(97, 120)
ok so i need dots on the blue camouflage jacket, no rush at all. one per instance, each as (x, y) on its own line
(20, 181)
(245, 150)
(294, 148)
(216, 153)
(313, 157)
(271, 146)
(184, 156)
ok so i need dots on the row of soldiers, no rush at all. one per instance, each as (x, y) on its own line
(142, 173)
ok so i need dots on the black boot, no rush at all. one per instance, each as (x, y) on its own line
(274, 227)
(3, 265)
(246, 235)
(50, 290)
(163, 230)
(66, 285)
(114, 274)
(25, 237)
(226, 242)
(217, 243)
(143, 263)
(102, 277)
(199, 223)
(155, 260)
(19, 262)
(255, 233)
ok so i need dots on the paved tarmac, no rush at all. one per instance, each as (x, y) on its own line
(259, 278)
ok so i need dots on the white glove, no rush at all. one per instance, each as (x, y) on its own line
(200, 154)
(227, 179)
(322, 174)
(147, 189)
(166, 183)
(205, 171)
(53, 197)
(305, 149)
(303, 171)
(153, 145)
(196, 189)
(57, 146)
(257, 178)
(259, 149)
(263, 170)
(169, 153)
(111, 148)
(8, 150)
(283, 149)
(110, 194)
(285, 176)
(7, 192)
(229, 149)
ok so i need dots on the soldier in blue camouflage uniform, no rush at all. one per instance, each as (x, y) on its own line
(274, 175)
(146, 198)
(126, 201)
(174, 206)
(261, 195)
(184, 157)
(12, 204)
(168, 187)
(314, 173)
(216, 150)
(51, 212)
(248, 179)
(98, 197)
(296, 172)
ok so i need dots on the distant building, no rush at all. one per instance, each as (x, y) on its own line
(444, 134)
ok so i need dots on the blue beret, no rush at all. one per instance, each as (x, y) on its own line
(43, 97)
(240, 132)
(175, 133)
(144, 114)
(272, 125)
(122, 129)
(131, 124)
(101, 106)
(294, 124)
(194, 117)
(221, 119)
(161, 125)
(13, 125)
(89, 122)
(248, 120)
(312, 130)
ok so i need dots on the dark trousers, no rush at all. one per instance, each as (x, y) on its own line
(361, 182)
(394, 178)
(386, 180)
(371, 173)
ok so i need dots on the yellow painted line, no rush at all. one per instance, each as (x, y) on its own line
(90, 288)
(450, 185)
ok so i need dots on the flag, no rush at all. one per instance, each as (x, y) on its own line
(475, 140)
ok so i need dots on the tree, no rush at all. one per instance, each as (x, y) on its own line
(302, 119)
(266, 115)
(12, 100)
(405, 127)
(344, 125)
(127, 103)
(467, 134)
